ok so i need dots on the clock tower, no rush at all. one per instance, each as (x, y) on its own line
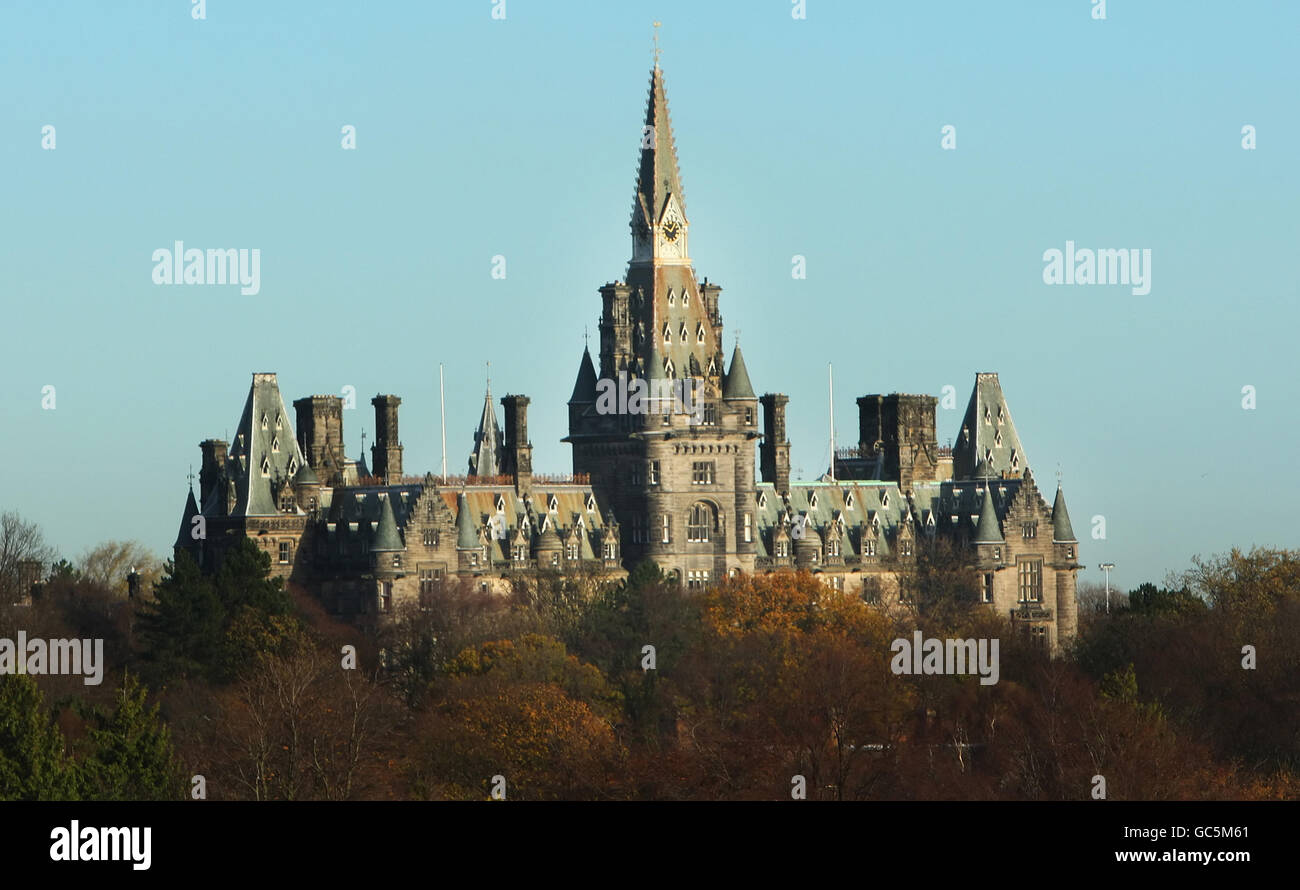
(681, 484)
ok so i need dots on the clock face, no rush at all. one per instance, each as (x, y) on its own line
(672, 230)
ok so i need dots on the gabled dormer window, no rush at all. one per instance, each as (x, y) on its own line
(266, 468)
(762, 500)
(672, 300)
(713, 366)
(501, 504)
(848, 500)
(884, 499)
(293, 468)
(683, 332)
(686, 296)
(812, 500)
(668, 334)
(1000, 414)
(699, 338)
(1015, 460)
(997, 440)
(277, 420)
(263, 420)
(553, 504)
(670, 371)
(591, 503)
(275, 445)
(987, 417)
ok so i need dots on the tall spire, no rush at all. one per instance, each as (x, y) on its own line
(658, 179)
(487, 457)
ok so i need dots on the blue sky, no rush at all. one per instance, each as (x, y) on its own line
(818, 137)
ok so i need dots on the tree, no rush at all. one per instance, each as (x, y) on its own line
(131, 755)
(33, 765)
(211, 626)
(109, 563)
(21, 544)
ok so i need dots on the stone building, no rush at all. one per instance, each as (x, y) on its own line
(683, 485)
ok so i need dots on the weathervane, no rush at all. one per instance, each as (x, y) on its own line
(191, 476)
(656, 27)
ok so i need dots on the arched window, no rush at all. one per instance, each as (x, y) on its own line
(699, 523)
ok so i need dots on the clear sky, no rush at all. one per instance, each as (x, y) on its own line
(519, 137)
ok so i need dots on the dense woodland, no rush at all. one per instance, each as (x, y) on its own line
(757, 681)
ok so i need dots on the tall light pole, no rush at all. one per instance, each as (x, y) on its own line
(1106, 567)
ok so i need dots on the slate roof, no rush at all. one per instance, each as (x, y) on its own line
(584, 388)
(264, 452)
(988, 435)
(737, 385)
(487, 456)
(1061, 529)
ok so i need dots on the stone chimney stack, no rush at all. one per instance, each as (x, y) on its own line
(903, 425)
(386, 453)
(320, 434)
(518, 450)
(214, 461)
(774, 452)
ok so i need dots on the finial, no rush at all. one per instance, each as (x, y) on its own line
(585, 343)
(737, 338)
(656, 38)
(489, 378)
(1058, 475)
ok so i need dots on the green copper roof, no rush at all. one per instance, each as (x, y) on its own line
(737, 385)
(1061, 528)
(466, 532)
(386, 537)
(584, 389)
(988, 531)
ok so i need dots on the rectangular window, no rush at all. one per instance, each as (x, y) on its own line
(636, 474)
(749, 531)
(571, 551)
(654, 472)
(285, 550)
(702, 473)
(426, 581)
(386, 597)
(430, 538)
(986, 588)
(1030, 576)
(1029, 530)
(837, 582)
(666, 528)
(907, 548)
(869, 547)
(697, 579)
(711, 414)
(638, 530)
(749, 417)
(1038, 636)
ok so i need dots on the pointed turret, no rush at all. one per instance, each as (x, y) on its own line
(988, 531)
(387, 539)
(466, 531)
(584, 390)
(185, 537)
(737, 385)
(487, 457)
(987, 436)
(1062, 531)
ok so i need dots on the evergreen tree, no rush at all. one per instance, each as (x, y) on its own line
(33, 765)
(131, 757)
